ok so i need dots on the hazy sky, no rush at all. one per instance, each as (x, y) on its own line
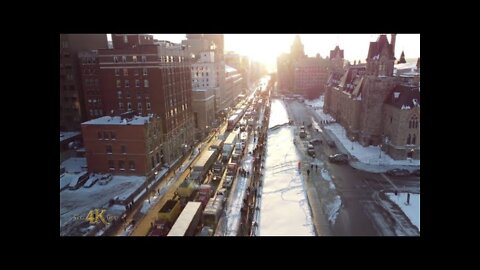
(266, 47)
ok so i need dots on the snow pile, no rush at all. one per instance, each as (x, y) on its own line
(279, 114)
(412, 210)
(317, 106)
(330, 198)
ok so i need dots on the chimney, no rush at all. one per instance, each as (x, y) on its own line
(392, 42)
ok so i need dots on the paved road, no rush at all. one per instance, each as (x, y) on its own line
(362, 211)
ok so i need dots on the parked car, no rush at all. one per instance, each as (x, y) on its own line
(338, 158)
(331, 143)
(311, 152)
(398, 172)
(416, 173)
(78, 181)
(91, 181)
(316, 141)
(105, 179)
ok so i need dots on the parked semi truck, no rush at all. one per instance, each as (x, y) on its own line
(188, 221)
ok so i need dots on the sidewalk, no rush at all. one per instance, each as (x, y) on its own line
(375, 165)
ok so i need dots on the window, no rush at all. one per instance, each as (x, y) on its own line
(153, 163)
(158, 158)
(408, 139)
(413, 122)
(125, 72)
(100, 135)
(145, 83)
(124, 59)
(123, 149)
(113, 135)
(139, 106)
(391, 119)
(121, 165)
(131, 165)
(148, 106)
(145, 71)
(109, 149)
(144, 58)
(127, 83)
(414, 139)
(136, 72)
(120, 105)
(119, 84)
(134, 58)
(115, 59)
(137, 83)
(117, 72)
(125, 39)
(111, 165)
(129, 106)
(105, 135)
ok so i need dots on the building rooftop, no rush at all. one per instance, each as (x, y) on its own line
(67, 135)
(117, 120)
(229, 69)
(404, 97)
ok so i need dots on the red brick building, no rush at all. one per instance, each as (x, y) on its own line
(71, 96)
(147, 76)
(127, 144)
(92, 98)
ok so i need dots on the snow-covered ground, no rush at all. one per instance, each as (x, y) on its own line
(75, 203)
(317, 106)
(74, 165)
(332, 202)
(412, 210)
(278, 114)
(372, 157)
(284, 208)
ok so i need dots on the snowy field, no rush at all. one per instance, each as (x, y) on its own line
(284, 208)
(79, 202)
(412, 211)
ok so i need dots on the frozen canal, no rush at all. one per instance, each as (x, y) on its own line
(284, 208)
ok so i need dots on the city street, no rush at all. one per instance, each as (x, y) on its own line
(363, 206)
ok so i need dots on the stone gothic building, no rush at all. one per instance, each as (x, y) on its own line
(376, 107)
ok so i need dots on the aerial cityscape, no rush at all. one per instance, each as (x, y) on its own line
(239, 135)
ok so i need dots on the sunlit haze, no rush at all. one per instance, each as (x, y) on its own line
(266, 47)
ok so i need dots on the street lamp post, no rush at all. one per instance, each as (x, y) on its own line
(353, 139)
(380, 148)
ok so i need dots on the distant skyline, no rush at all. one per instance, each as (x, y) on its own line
(266, 47)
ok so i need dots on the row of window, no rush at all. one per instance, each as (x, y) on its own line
(123, 149)
(134, 59)
(96, 112)
(107, 135)
(72, 87)
(137, 83)
(136, 71)
(139, 106)
(121, 165)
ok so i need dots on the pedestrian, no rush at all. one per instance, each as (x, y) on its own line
(308, 172)
(311, 166)
(316, 167)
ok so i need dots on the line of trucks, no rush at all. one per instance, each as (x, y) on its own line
(201, 197)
